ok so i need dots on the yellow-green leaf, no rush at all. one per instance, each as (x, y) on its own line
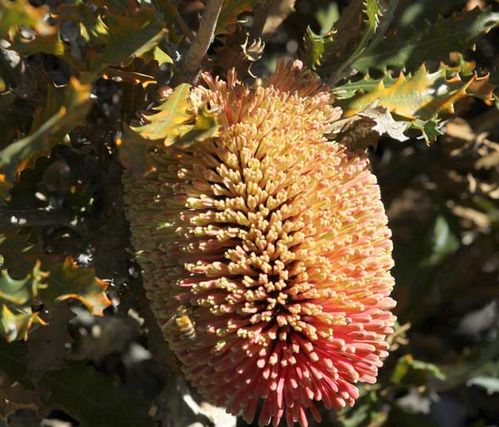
(421, 96)
(173, 118)
(21, 291)
(16, 323)
(20, 13)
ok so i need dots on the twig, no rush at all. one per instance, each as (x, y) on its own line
(191, 63)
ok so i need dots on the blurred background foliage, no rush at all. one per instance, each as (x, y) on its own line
(78, 343)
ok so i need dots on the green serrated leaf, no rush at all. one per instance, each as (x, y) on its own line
(129, 35)
(172, 118)
(205, 126)
(21, 291)
(421, 99)
(65, 108)
(16, 322)
(350, 89)
(421, 96)
(315, 46)
(161, 56)
(353, 39)
(433, 42)
(45, 280)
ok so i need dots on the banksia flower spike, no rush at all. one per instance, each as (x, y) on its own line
(271, 243)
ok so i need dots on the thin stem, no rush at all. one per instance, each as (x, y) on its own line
(191, 63)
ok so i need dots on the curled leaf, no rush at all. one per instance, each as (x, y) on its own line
(385, 124)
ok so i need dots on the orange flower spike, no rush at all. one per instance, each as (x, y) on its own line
(276, 242)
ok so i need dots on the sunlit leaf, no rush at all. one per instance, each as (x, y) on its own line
(21, 291)
(15, 322)
(411, 371)
(20, 13)
(384, 124)
(172, 118)
(490, 384)
(205, 126)
(423, 95)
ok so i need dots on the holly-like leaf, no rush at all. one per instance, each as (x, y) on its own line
(68, 281)
(421, 100)
(64, 109)
(432, 42)
(31, 278)
(421, 96)
(359, 29)
(21, 291)
(20, 13)
(176, 121)
(128, 35)
(16, 322)
(315, 46)
(172, 119)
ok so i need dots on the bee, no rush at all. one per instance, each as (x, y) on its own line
(183, 322)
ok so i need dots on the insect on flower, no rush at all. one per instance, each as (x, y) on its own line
(183, 322)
